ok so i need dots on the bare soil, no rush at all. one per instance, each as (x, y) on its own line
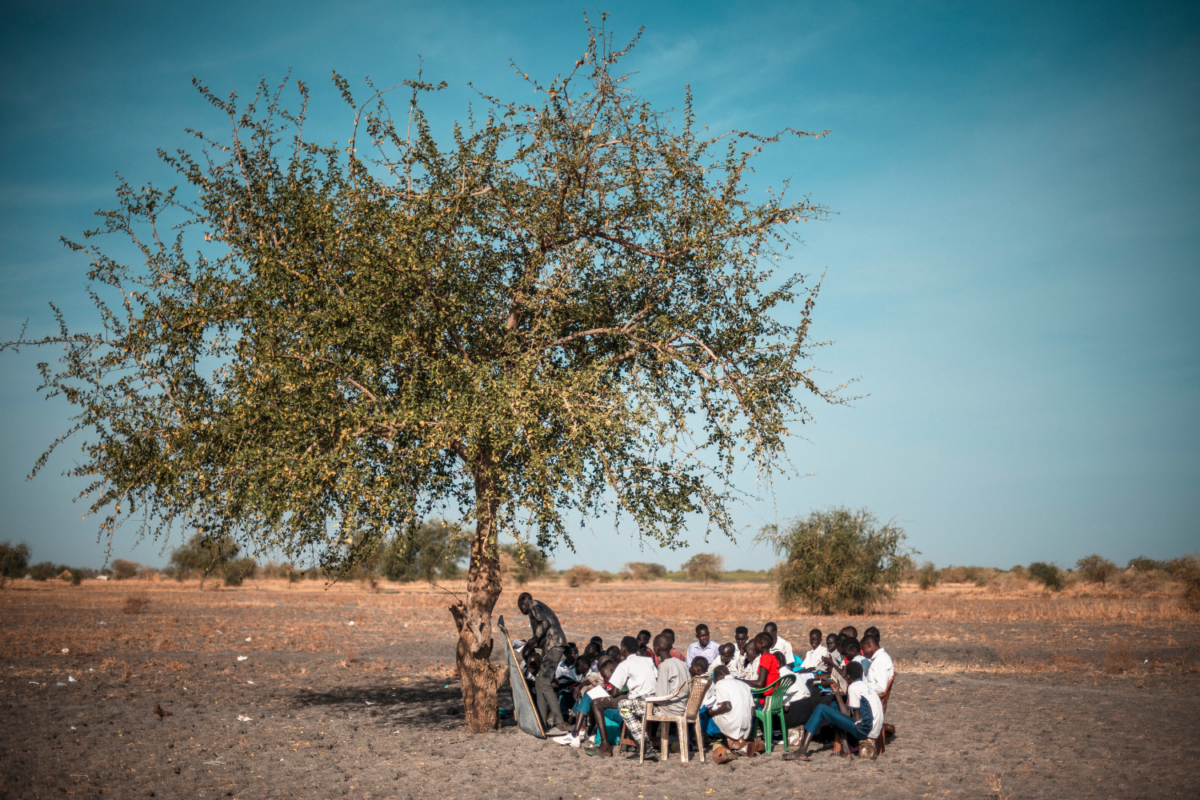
(997, 696)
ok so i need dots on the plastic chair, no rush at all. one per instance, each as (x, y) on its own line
(697, 688)
(880, 742)
(772, 708)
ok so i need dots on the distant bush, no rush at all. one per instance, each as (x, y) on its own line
(641, 571)
(838, 561)
(579, 575)
(44, 571)
(274, 569)
(1143, 564)
(135, 604)
(523, 561)
(927, 576)
(1096, 569)
(1048, 575)
(1187, 571)
(235, 572)
(980, 576)
(1011, 581)
(1019, 572)
(705, 567)
(14, 560)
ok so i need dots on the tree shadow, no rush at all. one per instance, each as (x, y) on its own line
(417, 704)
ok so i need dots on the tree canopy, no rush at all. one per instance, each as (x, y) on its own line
(562, 309)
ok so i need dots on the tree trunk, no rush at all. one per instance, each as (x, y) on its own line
(481, 679)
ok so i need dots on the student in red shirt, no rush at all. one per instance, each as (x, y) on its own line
(768, 664)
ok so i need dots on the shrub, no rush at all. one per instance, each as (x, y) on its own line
(927, 577)
(44, 571)
(237, 571)
(641, 571)
(838, 561)
(579, 575)
(135, 604)
(705, 567)
(123, 569)
(14, 560)
(1048, 575)
(1143, 564)
(523, 561)
(1019, 572)
(1187, 571)
(980, 576)
(1096, 569)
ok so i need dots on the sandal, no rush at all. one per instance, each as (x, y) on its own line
(723, 755)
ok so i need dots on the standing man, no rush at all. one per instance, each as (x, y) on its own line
(548, 635)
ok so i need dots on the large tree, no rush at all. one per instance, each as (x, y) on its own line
(561, 309)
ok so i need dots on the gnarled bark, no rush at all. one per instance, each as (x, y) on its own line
(481, 680)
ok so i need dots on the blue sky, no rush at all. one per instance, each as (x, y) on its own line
(1011, 271)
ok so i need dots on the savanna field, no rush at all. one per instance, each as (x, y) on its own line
(279, 689)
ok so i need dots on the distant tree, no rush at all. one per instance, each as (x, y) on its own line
(838, 561)
(236, 571)
(524, 561)
(644, 571)
(124, 569)
(318, 344)
(205, 555)
(927, 576)
(14, 560)
(1096, 568)
(580, 575)
(705, 567)
(1048, 575)
(426, 552)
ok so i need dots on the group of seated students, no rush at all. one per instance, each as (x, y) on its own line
(837, 688)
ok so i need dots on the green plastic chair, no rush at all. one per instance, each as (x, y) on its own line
(772, 708)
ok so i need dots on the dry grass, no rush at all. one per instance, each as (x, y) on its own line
(44, 618)
(135, 604)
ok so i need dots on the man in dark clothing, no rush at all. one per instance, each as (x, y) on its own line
(547, 635)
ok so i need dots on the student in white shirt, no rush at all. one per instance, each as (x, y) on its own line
(726, 654)
(729, 710)
(781, 645)
(860, 718)
(741, 640)
(703, 646)
(813, 658)
(638, 678)
(882, 669)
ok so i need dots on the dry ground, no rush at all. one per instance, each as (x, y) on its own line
(1019, 695)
